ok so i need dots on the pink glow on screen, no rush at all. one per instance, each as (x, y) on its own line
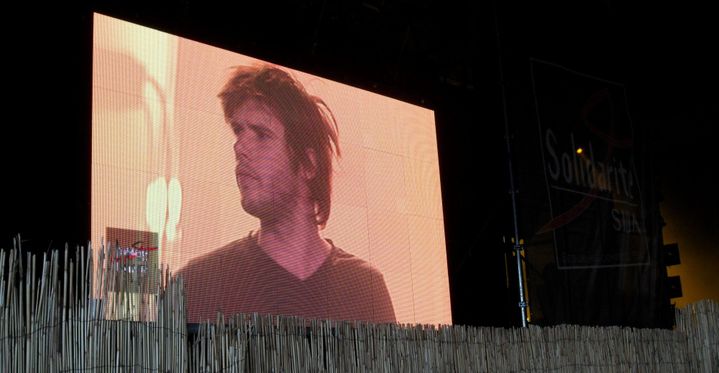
(163, 162)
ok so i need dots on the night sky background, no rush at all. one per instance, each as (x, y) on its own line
(449, 56)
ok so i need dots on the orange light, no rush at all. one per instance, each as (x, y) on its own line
(580, 150)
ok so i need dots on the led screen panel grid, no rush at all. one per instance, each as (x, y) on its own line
(163, 165)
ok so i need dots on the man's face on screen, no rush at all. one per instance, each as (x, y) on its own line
(264, 174)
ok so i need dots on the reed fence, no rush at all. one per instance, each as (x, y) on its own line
(63, 313)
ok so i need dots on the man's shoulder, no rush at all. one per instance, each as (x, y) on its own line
(231, 252)
(361, 287)
(346, 262)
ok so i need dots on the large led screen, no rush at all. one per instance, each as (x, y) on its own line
(267, 189)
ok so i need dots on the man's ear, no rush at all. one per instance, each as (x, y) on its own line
(308, 168)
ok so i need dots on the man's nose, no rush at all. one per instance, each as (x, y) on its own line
(242, 147)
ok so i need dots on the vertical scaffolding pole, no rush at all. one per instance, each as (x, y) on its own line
(512, 190)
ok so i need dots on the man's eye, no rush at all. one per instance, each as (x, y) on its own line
(262, 135)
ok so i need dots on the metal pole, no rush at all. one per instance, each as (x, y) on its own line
(513, 192)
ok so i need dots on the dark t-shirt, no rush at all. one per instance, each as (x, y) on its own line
(241, 277)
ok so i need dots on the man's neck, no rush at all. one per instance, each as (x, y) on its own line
(295, 244)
